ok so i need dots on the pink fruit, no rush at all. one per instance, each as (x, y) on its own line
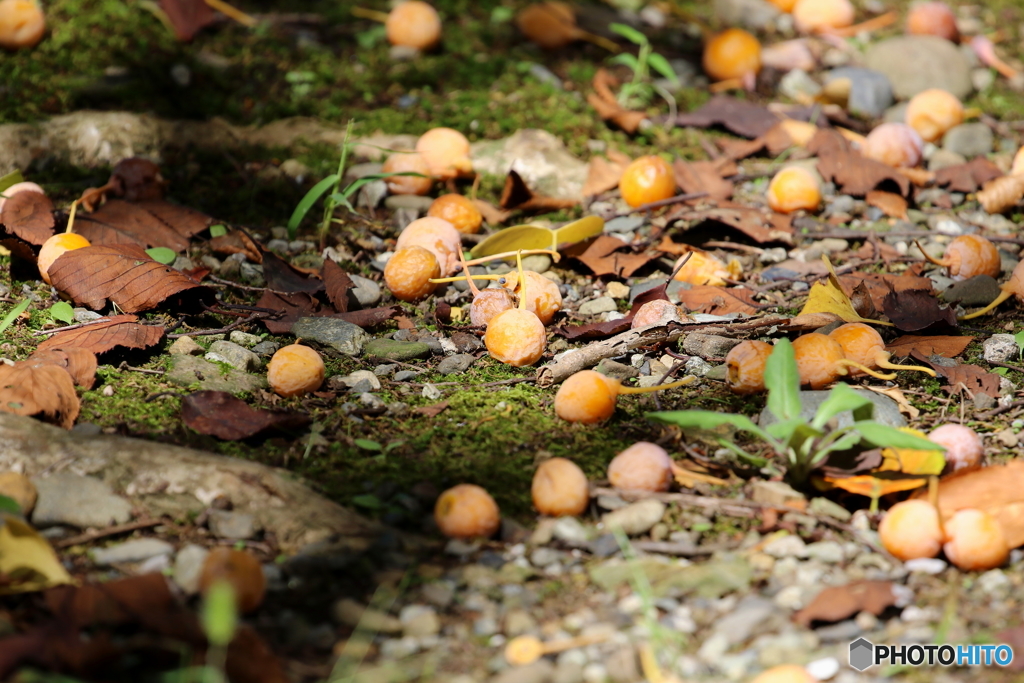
(560, 488)
(644, 466)
(964, 446)
(894, 144)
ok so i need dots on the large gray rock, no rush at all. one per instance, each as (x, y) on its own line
(66, 498)
(870, 91)
(234, 355)
(539, 157)
(916, 63)
(887, 411)
(188, 370)
(343, 337)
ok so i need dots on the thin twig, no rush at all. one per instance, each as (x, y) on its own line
(1006, 365)
(76, 326)
(104, 533)
(227, 328)
(124, 366)
(650, 206)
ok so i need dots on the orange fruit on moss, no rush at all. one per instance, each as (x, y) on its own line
(467, 511)
(516, 337)
(22, 24)
(733, 53)
(560, 488)
(792, 189)
(648, 179)
(295, 370)
(458, 210)
(54, 246)
(241, 570)
(413, 24)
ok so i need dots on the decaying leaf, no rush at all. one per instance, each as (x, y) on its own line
(602, 175)
(301, 305)
(27, 561)
(743, 118)
(938, 345)
(890, 203)
(777, 140)
(538, 237)
(1002, 194)
(153, 223)
(187, 17)
(836, 603)
(517, 196)
(220, 414)
(29, 215)
(608, 108)
(896, 394)
(338, 285)
(78, 362)
(236, 242)
(281, 276)
(718, 300)
(971, 377)
(902, 469)
(914, 310)
(705, 176)
(42, 390)
(121, 273)
(609, 255)
(967, 177)
(759, 225)
(854, 173)
(829, 297)
(102, 336)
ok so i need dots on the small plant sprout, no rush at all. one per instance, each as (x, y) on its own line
(516, 336)
(590, 397)
(639, 91)
(863, 344)
(801, 445)
(968, 256)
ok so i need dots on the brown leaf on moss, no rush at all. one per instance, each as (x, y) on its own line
(608, 108)
(338, 285)
(517, 196)
(935, 345)
(967, 177)
(718, 300)
(237, 242)
(121, 273)
(39, 389)
(971, 377)
(432, 410)
(187, 17)
(80, 363)
(602, 175)
(891, 204)
(281, 276)
(100, 337)
(29, 215)
(743, 118)
(154, 223)
(219, 414)
(606, 255)
(705, 176)
(836, 603)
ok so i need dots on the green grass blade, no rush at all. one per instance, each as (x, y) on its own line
(10, 317)
(308, 201)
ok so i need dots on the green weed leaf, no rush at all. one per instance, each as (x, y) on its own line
(220, 613)
(63, 312)
(661, 65)
(782, 379)
(708, 419)
(10, 505)
(367, 501)
(308, 201)
(885, 436)
(162, 255)
(12, 178)
(368, 445)
(218, 230)
(841, 398)
(626, 59)
(15, 312)
(629, 33)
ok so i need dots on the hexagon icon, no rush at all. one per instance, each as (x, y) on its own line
(862, 654)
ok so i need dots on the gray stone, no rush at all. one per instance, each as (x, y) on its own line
(870, 91)
(234, 355)
(916, 63)
(188, 565)
(1001, 348)
(570, 531)
(976, 291)
(539, 157)
(391, 349)
(277, 246)
(358, 376)
(541, 671)
(637, 518)
(348, 612)
(624, 223)
(266, 348)
(602, 304)
(244, 338)
(343, 337)
(823, 506)
(84, 502)
(775, 493)
(408, 201)
(943, 158)
(366, 291)
(826, 551)
(786, 546)
(231, 524)
(617, 370)
(252, 273)
(887, 411)
(741, 623)
(538, 263)
(131, 551)
(708, 345)
(453, 365)
(357, 171)
(407, 375)
(753, 14)
(622, 666)
(798, 85)
(969, 139)
(438, 593)
(185, 346)
(419, 621)
(188, 370)
(81, 315)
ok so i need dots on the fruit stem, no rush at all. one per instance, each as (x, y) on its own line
(847, 363)
(933, 498)
(469, 278)
(373, 14)
(555, 256)
(883, 362)
(657, 387)
(927, 257)
(522, 280)
(878, 22)
(71, 216)
(600, 41)
(1003, 296)
(232, 12)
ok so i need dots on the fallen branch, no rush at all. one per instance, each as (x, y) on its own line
(90, 536)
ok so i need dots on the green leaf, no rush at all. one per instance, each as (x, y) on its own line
(368, 501)
(708, 419)
(371, 37)
(393, 445)
(885, 436)
(220, 613)
(359, 182)
(626, 59)
(782, 379)
(63, 312)
(500, 15)
(9, 505)
(162, 255)
(846, 441)
(661, 65)
(629, 33)
(12, 178)
(841, 398)
(368, 445)
(218, 230)
(783, 430)
(15, 312)
(307, 202)
(1002, 372)
(1018, 338)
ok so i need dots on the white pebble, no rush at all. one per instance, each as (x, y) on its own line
(823, 669)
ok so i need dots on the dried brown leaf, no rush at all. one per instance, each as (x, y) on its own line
(517, 196)
(718, 300)
(154, 223)
(492, 214)
(219, 414)
(338, 285)
(39, 389)
(759, 225)
(880, 284)
(80, 363)
(281, 276)
(935, 345)
(608, 108)
(432, 410)
(121, 273)
(914, 310)
(702, 176)
(602, 175)
(743, 118)
(29, 215)
(100, 337)
(1002, 194)
(891, 204)
(967, 177)
(971, 377)
(606, 255)
(836, 603)
(187, 17)
(237, 242)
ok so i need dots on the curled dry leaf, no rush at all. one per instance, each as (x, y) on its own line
(762, 226)
(517, 196)
(602, 175)
(880, 284)
(237, 242)
(608, 108)
(338, 285)
(29, 215)
(718, 300)
(937, 345)
(38, 389)
(914, 310)
(187, 17)
(607, 255)
(890, 203)
(492, 214)
(80, 363)
(219, 414)
(1002, 194)
(836, 603)
(971, 377)
(281, 276)
(706, 176)
(743, 118)
(967, 177)
(100, 337)
(121, 273)
(153, 223)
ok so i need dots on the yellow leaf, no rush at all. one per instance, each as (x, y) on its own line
(27, 560)
(875, 487)
(829, 297)
(577, 231)
(531, 236)
(912, 461)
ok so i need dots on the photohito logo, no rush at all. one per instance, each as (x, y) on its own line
(865, 654)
